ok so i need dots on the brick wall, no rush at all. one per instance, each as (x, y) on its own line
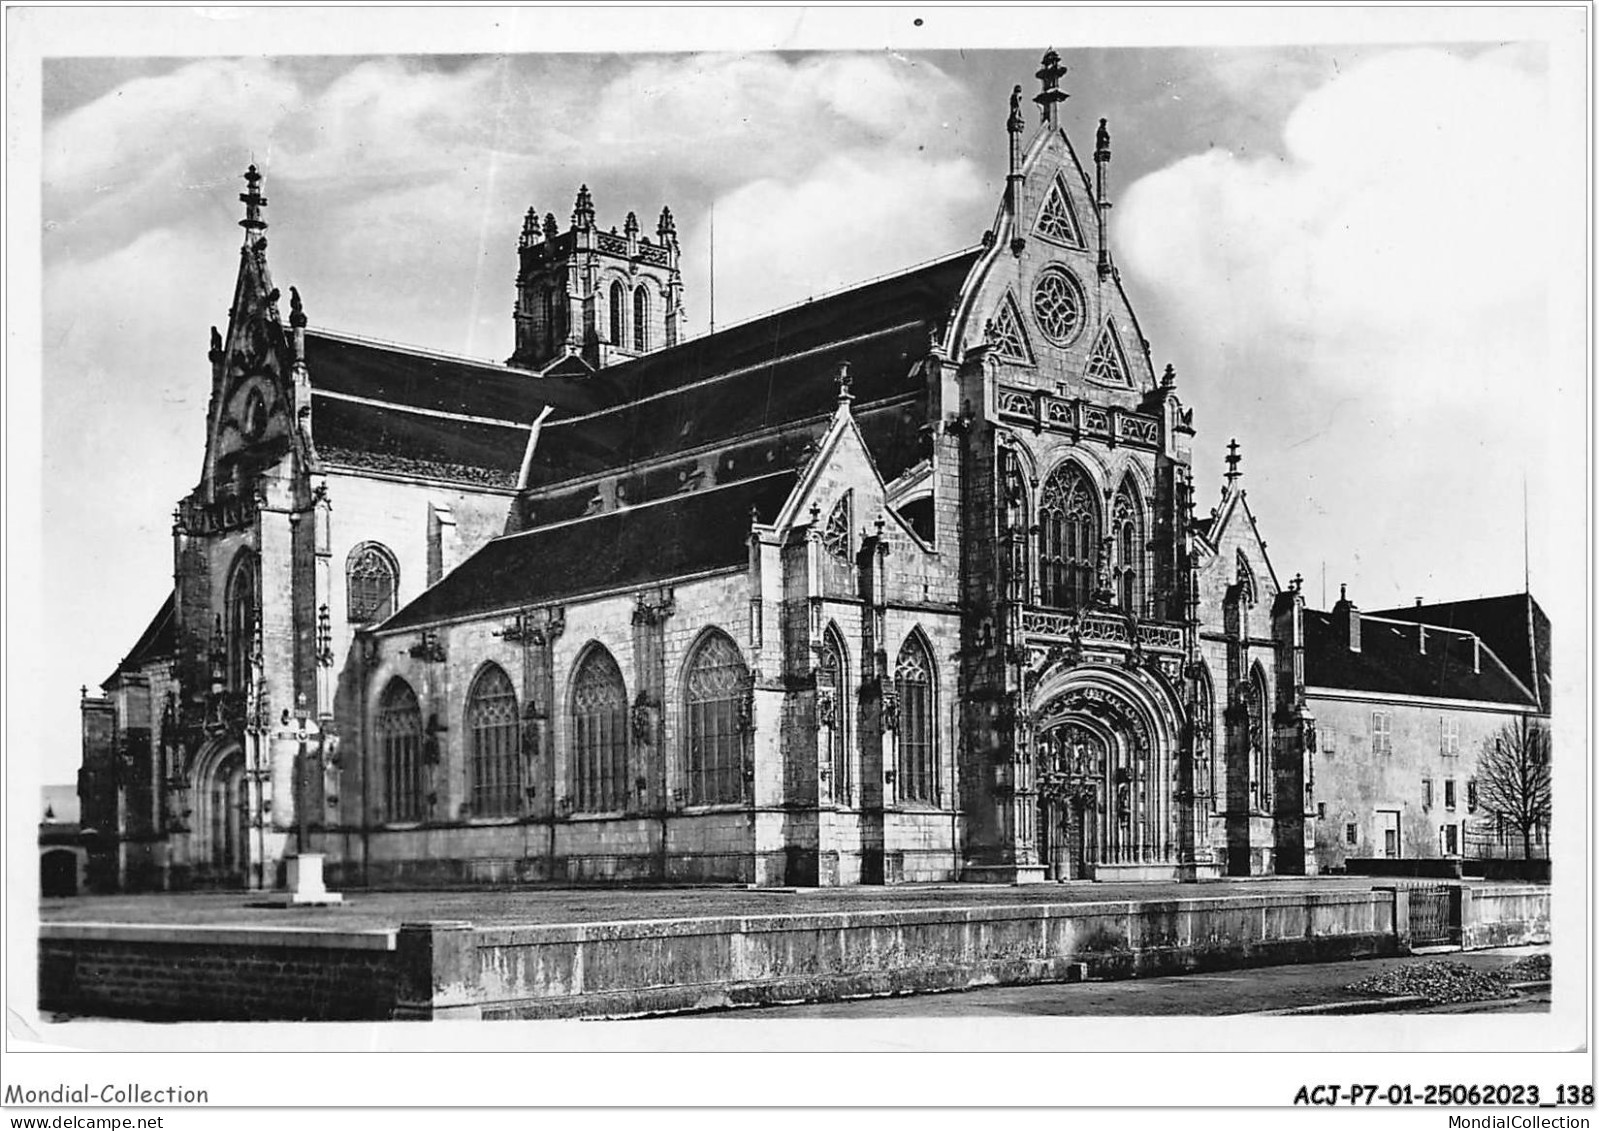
(195, 974)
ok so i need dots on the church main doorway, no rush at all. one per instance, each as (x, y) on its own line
(1071, 797)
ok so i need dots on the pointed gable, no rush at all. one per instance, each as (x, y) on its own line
(1107, 364)
(1056, 220)
(1008, 335)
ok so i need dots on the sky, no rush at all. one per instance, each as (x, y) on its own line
(1350, 252)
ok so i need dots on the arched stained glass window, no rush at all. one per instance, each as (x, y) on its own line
(641, 320)
(243, 613)
(372, 580)
(618, 300)
(399, 728)
(913, 684)
(835, 537)
(494, 732)
(832, 683)
(1256, 703)
(599, 734)
(714, 690)
(1248, 593)
(1068, 534)
(1205, 739)
(1128, 527)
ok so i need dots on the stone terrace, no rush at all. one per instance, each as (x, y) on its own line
(376, 910)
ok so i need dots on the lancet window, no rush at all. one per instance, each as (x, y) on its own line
(1128, 529)
(494, 731)
(714, 704)
(399, 727)
(913, 684)
(371, 580)
(599, 735)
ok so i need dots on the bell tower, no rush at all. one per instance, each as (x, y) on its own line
(591, 298)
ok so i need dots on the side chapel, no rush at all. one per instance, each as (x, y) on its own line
(899, 584)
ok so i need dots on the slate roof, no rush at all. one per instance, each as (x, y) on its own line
(382, 438)
(1390, 661)
(376, 431)
(688, 534)
(1513, 625)
(355, 367)
(774, 372)
(159, 641)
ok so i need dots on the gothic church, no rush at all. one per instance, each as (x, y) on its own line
(900, 584)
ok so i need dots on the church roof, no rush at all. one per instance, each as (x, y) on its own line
(1513, 625)
(681, 536)
(775, 372)
(159, 641)
(1391, 661)
(388, 408)
(382, 437)
(414, 378)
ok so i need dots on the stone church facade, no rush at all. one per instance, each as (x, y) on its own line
(901, 584)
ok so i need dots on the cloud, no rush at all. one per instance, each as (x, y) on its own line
(1363, 259)
(1369, 309)
(784, 241)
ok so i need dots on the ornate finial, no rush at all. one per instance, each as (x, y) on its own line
(1298, 582)
(666, 228)
(296, 309)
(1233, 459)
(551, 228)
(630, 226)
(1014, 123)
(1168, 379)
(253, 203)
(530, 229)
(843, 383)
(583, 209)
(1102, 142)
(1051, 95)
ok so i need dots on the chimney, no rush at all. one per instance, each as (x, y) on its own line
(1345, 614)
(1421, 638)
(1476, 654)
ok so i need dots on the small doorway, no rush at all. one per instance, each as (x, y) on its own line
(1388, 833)
(58, 873)
(228, 821)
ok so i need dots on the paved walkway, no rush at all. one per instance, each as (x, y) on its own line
(364, 910)
(1258, 990)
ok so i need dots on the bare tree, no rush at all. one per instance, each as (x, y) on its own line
(1513, 777)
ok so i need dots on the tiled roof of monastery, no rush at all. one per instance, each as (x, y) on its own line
(1390, 661)
(1514, 626)
(776, 372)
(159, 641)
(681, 536)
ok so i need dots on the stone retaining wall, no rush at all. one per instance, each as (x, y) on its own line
(457, 969)
(620, 969)
(1504, 915)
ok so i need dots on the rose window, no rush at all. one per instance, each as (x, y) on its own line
(1058, 306)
